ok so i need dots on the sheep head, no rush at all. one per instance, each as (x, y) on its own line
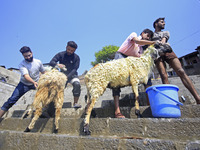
(49, 68)
(152, 51)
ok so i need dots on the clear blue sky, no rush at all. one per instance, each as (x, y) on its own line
(47, 25)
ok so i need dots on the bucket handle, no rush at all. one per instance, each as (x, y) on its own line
(167, 96)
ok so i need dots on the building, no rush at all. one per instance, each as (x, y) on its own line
(191, 62)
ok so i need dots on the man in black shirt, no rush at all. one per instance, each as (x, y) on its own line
(71, 61)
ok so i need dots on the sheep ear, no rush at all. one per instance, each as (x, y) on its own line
(155, 54)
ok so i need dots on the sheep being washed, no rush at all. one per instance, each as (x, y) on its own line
(50, 88)
(118, 73)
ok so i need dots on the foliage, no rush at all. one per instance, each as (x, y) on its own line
(106, 54)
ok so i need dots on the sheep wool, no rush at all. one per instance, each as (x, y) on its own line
(50, 89)
(118, 73)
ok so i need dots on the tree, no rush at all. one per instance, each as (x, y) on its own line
(106, 54)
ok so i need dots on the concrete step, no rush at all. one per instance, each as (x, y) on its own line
(126, 92)
(31, 141)
(187, 111)
(157, 128)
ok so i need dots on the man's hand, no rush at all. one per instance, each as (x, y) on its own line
(35, 84)
(163, 48)
(29, 79)
(61, 65)
(167, 48)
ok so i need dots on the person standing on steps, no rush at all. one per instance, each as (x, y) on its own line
(171, 59)
(30, 69)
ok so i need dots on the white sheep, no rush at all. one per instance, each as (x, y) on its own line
(118, 73)
(50, 88)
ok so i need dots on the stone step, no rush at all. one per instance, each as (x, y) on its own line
(31, 141)
(187, 111)
(126, 92)
(157, 128)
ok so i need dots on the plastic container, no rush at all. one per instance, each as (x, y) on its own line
(164, 101)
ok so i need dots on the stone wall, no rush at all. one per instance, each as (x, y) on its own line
(9, 77)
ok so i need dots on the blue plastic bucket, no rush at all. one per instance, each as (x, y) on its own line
(164, 101)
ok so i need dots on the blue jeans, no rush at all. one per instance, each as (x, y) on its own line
(19, 91)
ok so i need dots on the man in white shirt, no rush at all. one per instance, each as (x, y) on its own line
(30, 69)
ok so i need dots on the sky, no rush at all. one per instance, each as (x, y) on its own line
(47, 25)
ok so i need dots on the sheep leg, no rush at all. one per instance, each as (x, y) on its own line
(87, 97)
(27, 112)
(87, 117)
(58, 105)
(137, 109)
(37, 114)
(57, 118)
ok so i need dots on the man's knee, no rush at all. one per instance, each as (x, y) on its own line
(8, 104)
(76, 88)
(181, 72)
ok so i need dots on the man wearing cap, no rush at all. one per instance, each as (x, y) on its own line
(171, 59)
(30, 69)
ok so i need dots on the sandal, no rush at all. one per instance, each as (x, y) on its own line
(119, 115)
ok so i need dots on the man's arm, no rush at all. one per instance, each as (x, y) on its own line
(142, 42)
(29, 79)
(25, 74)
(164, 40)
(54, 61)
(165, 37)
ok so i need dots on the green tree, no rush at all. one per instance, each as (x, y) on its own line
(106, 54)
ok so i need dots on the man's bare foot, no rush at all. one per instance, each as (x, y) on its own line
(119, 115)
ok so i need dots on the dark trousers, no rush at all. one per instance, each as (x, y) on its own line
(19, 91)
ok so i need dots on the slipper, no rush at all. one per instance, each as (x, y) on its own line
(120, 116)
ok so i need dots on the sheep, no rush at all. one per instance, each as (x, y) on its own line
(50, 88)
(118, 73)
